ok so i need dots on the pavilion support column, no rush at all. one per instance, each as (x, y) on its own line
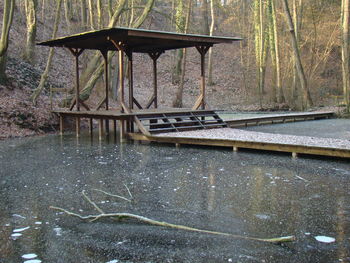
(130, 127)
(154, 56)
(200, 103)
(105, 58)
(120, 46)
(76, 53)
(121, 93)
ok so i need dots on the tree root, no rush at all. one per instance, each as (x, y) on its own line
(92, 218)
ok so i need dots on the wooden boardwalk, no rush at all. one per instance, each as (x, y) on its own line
(279, 118)
(194, 127)
(237, 138)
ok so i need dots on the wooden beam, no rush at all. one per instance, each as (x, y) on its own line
(152, 100)
(137, 103)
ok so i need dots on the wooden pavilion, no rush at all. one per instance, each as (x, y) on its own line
(128, 41)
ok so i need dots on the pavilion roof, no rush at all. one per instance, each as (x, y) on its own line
(136, 40)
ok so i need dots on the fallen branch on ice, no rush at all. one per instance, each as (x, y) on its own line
(92, 218)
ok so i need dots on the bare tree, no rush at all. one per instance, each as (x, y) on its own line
(210, 55)
(9, 6)
(307, 101)
(45, 74)
(345, 52)
(30, 8)
(178, 99)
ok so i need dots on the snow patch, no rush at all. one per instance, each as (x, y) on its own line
(325, 239)
(21, 229)
(29, 256)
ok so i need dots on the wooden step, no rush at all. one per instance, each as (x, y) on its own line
(171, 122)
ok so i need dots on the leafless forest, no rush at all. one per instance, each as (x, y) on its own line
(294, 54)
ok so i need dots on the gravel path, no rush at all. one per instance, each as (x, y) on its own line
(251, 136)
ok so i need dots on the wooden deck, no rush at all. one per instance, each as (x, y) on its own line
(277, 143)
(194, 127)
(279, 118)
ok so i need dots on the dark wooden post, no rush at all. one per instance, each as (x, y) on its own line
(105, 57)
(130, 127)
(154, 56)
(131, 79)
(201, 99)
(121, 49)
(76, 53)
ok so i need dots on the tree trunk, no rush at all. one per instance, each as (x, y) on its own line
(95, 67)
(91, 14)
(68, 15)
(294, 72)
(83, 15)
(210, 55)
(180, 28)
(345, 53)
(307, 102)
(45, 74)
(277, 93)
(260, 46)
(205, 17)
(95, 61)
(9, 6)
(30, 7)
(99, 14)
(178, 103)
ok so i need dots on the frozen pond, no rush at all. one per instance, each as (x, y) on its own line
(331, 128)
(246, 193)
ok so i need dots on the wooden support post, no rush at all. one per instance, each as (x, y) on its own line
(154, 56)
(76, 53)
(130, 127)
(77, 126)
(77, 88)
(201, 99)
(294, 155)
(121, 47)
(61, 125)
(235, 148)
(105, 57)
(131, 80)
(100, 129)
